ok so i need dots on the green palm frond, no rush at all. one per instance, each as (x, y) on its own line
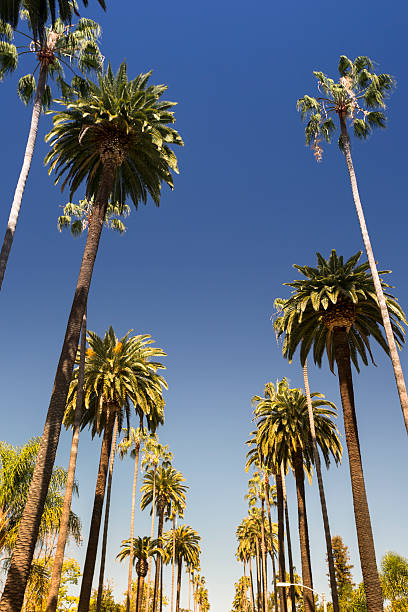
(26, 88)
(169, 490)
(8, 58)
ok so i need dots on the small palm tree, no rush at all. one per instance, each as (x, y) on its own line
(62, 47)
(77, 217)
(334, 309)
(357, 99)
(115, 138)
(140, 549)
(283, 434)
(187, 550)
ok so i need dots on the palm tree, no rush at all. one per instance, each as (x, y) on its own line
(16, 470)
(169, 490)
(131, 443)
(255, 492)
(39, 11)
(140, 549)
(100, 139)
(358, 98)
(77, 217)
(244, 553)
(118, 373)
(283, 433)
(288, 542)
(335, 309)
(60, 47)
(187, 550)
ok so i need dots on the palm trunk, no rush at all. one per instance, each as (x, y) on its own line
(361, 512)
(189, 591)
(132, 526)
(307, 581)
(173, 562)
(161, 585)
(272, 552)
(96, 519)
(25, 169)
(396, 364)
(263, 550)
(252, 586)
(66, 509)
(281, 543)
(258, 576)
(158, 562)
(332, 574)
(151, 539)
(179, 564)
(106, 523)
(17, 576)
(288, 543)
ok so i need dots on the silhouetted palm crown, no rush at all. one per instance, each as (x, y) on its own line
(187, 545)
(118, 123)
(169, 490)
(335, 294)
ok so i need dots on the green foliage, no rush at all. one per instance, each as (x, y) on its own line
(359, 97)
(335, 290)
(124, 122)
(108, 603)
(187, 546)
(76, 217)
(394, 581)
(169, 490)
(342, 567)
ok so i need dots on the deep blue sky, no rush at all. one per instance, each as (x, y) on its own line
(201, 273)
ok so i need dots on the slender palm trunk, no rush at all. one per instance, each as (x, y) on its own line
(330, 560)
(25, 169)
(308, 601)
(272, 552)
(252, 586)
(13, 593)
(141, 570)
(173, 562)
(361, 512)
(179, 566)
(281, 542)
(263, 550)
(288, 543)
(69, 487)
(96, 519)
(258, 576)
(396, 364)
(132, 526)
(151, 539)
(106, 522)
(161, 585)
(189, 591)
(158, 562)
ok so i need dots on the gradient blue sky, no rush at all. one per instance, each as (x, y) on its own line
(201, 273)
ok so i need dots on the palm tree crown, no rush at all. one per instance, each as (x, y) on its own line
(187, 545)
(119, 123)
(358, 96)
(169, 490)
(335, 294)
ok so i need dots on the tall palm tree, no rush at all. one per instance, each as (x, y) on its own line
(39, 11)
(335, 309)
(283, 432)
(169, 490)
(244, 553)
(101, 138)
(187, 550)
(141, 549)
(61, 47)
(326, 524)
(255, 492)
(288, 542)
(357, 99)
(118, 373)
(131, 443)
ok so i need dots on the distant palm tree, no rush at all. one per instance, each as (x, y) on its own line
(335, 310)
(100, 139)
(141, 549)
(62, 47)
(283, 433)
(187, 550)
(358, 98)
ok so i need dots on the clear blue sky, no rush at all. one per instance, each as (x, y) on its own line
(201, 273)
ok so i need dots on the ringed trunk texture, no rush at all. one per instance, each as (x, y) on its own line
(288, 543)
(326, 524)
(258, 576)
(55, 582)
(395, 360)
(272, 552)
(263, 550)
(158, 564)
(179, 565)
(252, 586)
(361, 512)
(132, 527)
(13, 594)
(25, 169)
(281, 543)
(106, 523)
(139, 595)
(151, 539)
(96, 519)
(303, 532)
(173, 562)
